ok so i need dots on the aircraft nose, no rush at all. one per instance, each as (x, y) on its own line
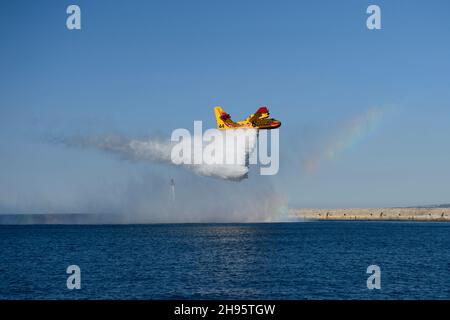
(276, 124)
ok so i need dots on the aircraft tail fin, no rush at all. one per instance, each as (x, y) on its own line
(223, 119)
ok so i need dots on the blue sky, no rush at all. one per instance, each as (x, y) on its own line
(148, 67)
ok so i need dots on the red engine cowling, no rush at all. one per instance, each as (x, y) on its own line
(262, 110)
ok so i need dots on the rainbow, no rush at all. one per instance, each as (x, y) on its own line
(350, 135)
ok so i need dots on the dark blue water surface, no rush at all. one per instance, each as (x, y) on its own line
(311, 260)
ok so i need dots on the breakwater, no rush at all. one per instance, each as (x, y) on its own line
(409, 214)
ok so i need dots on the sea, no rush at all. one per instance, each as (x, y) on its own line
(296, 260)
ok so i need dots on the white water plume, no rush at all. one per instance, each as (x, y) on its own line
(230, 157)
